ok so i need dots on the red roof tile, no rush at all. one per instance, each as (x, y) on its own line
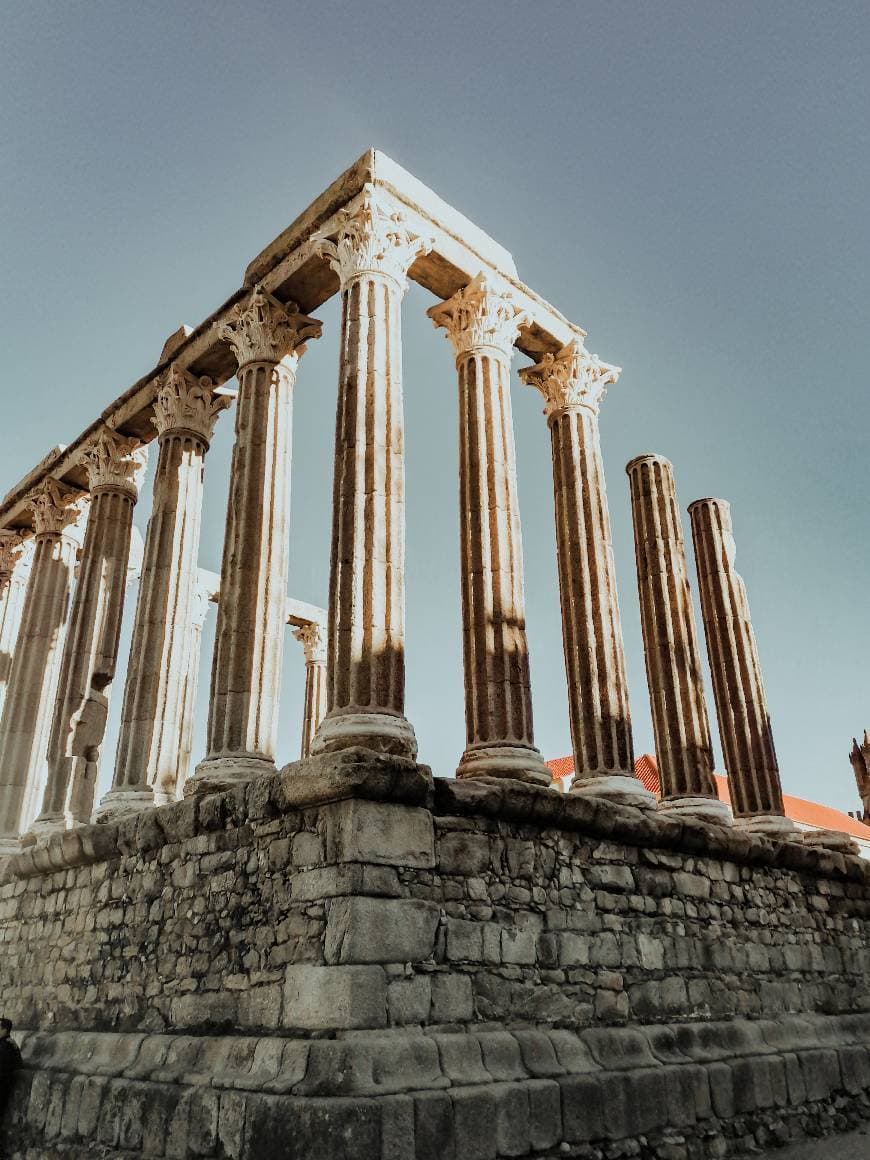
(798, 809)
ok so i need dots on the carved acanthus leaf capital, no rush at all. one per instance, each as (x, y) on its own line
(115, 461)
(262, 329)
(373, 239)
(11, 548)
(570, 378)
(313, 640)
(187, 403)
(53, 507)
(480, 316)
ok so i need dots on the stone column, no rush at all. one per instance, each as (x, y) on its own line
(267, 339)
(198, 613)
(14, 574)
(741, 706)
(482, 323)
(313, 639)
(573, 384)
(149, 743)
(366, 640)
(33, 676)
(673, 663)
(859, 756)
(114, 465)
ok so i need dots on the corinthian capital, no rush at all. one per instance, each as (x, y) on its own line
(11, 545)
(261, 329)
(860, 759)
(313, 640)
(53, 508)
(372, 239)
(480, 316)
(571, 378)
(114, 461)
(187, 403)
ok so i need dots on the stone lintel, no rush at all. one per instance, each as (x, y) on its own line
(291, 269)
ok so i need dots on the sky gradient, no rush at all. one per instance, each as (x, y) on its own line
(686, 181)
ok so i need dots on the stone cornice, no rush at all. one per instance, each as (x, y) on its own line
(570, 379)
(312, 637)
(373, 239)
(114, 462)
(480, 317)
(262, 329)
(186, 402)
(53, 508)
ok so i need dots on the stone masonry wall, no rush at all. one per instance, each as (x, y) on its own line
(238, 912)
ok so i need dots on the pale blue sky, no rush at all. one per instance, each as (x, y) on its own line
(688, 181)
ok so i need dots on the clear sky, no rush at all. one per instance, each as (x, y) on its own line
(686, 180)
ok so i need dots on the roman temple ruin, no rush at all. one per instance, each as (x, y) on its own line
(347, 958)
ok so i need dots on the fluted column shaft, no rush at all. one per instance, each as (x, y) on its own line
(267, 339)
(482, 323)
(27, 711)
(313, 640)
(673, 663)
(14, 574)
(191, 684)
(365, 676)
(148, 762)
(573, 384)
(90, 651)
(738, 690)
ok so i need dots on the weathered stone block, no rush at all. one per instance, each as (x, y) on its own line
(452, 999)
(474, 1118)
(463, 853)
(409, 1000)
(320, 998)
(511, 1119)
(397, 1128)
(364, 831)
(380, 930)
(433, 1127)
(584, 1108)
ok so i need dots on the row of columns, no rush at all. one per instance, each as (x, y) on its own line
(355, 677)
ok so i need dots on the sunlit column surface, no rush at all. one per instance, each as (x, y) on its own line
(573, 384)
(365, 673)
(673, 663)
(16, 562)
(33, 676)
(268, 339)
(90, 652)
(738, 690)
(482, 323)
(312, 637)
(149, 756)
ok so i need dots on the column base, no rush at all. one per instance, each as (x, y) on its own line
(622, 788)
(216, 774)
(702, 809)
(381, 732)
(834, 840)
(519, 762)
(42, 828)
(119, 803)
(768, 825)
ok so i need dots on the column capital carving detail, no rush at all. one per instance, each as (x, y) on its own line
(115, 462)
(482, 315)
(185, 402)
(54, 508)
(11, 547)
(373, 239)
(312, 637)
(262, 329)
(570, 378)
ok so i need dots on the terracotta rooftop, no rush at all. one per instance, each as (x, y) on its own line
(799, 810)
